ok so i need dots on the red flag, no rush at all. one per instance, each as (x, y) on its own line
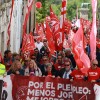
(67, 26)
(49, 37)
(40, 30)
(1, 59)
(28, 10)
(60, 40)
(82, 60)
(54, 20)
(63, 9)
(86, 24)
(66, 44)
(53, 16)
(93, 31)
(70, 38)
(28, 44)
(8, 29)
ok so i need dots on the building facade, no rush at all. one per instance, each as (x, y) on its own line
(16, 23)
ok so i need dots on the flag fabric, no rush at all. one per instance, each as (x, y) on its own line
(62, 20)
(54, 22)
(1, 58)
(49, 37)
(28, 10)
(41, 31)
(70, 38)
(82, 60)
(86, 24)
(63, 9)
(93, 31)
(28, 39)
(67, 26)
(28, 44)
(9, 25)
(66, 43)
(53, 15)
(55, 26)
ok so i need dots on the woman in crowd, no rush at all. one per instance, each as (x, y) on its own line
(49, 71)
(25, 66)
(34, 70)
(16, 68)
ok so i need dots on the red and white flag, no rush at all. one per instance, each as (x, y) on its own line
(67, 26)
(9, 25)
(28, 44)
(28, 10)
(63, 11)
(49, 37)
(82, 60)
(54, 18)
(62, 20)
(93, 30)
(41, 31)
(54, 21)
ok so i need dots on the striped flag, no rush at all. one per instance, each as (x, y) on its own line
(28, 10)
(9, 25)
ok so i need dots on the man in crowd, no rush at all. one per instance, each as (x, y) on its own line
(94, 72)
(66, 71)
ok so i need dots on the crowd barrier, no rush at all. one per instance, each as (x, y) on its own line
(15, 87)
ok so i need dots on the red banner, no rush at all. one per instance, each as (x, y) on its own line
(48, 88)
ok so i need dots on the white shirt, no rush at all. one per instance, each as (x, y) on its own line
(38, 45)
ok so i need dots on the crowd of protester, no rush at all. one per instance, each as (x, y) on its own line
(40, 63)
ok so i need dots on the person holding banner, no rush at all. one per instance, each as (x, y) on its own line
(25, 66)
(94, 72)
(59, 63)
(66, 71)
(16, 68)
(49, 71)
(34, 70)
(45, 60)
(77, 75)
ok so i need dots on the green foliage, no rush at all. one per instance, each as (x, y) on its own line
(72, 5)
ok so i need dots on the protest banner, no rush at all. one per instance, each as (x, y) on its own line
(47, 88)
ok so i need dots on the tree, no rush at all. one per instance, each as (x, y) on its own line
(56, 5)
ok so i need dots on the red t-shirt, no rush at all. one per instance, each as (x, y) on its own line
(58, 66)
(49, 74)
(93, 74)
(77, 75)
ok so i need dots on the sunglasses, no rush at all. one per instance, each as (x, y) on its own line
(67, 65)
(95, 64)
(44, 59)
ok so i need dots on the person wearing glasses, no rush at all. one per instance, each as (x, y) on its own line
(94, 72)
(45, 61)
(66, 71)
